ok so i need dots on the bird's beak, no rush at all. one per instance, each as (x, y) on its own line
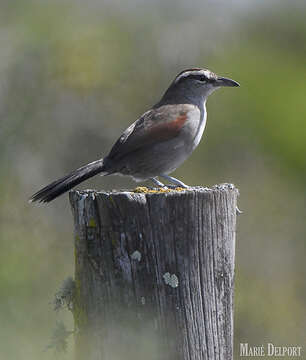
(222, 81)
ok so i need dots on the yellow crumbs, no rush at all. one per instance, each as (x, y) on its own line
(144, 189)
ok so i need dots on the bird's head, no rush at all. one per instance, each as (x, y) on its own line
(197, 83)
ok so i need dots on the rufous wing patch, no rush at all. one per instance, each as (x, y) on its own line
(169, 129)
(178, 123)
(144, 133)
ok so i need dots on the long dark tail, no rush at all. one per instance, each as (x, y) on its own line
(60, 186)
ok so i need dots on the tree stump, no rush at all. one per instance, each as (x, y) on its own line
(154, 273)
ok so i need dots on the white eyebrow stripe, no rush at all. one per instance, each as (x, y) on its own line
(193, 72)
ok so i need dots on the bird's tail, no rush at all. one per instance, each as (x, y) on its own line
(60, 186)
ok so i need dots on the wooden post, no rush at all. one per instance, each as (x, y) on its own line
(154, 274)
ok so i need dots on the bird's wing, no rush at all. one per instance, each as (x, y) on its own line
(154, 126)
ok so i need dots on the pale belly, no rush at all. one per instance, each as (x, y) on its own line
(200, 131)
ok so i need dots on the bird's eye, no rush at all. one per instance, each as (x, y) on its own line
(202, 78)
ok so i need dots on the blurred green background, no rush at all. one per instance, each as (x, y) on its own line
(74, 75)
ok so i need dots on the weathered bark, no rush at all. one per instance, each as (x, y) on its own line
(154, 274)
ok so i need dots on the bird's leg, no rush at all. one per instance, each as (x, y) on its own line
(158, 183)
(174, 181)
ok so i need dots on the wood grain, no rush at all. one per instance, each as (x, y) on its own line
(154, 274)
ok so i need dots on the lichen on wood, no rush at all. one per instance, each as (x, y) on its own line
(154, 273)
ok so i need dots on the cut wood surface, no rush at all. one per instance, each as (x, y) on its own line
(154, 273)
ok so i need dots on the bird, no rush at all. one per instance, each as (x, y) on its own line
(158, 142)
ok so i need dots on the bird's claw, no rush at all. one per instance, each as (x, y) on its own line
(238, 211)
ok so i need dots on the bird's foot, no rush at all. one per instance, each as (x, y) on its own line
(158, 183)
(174, 181)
